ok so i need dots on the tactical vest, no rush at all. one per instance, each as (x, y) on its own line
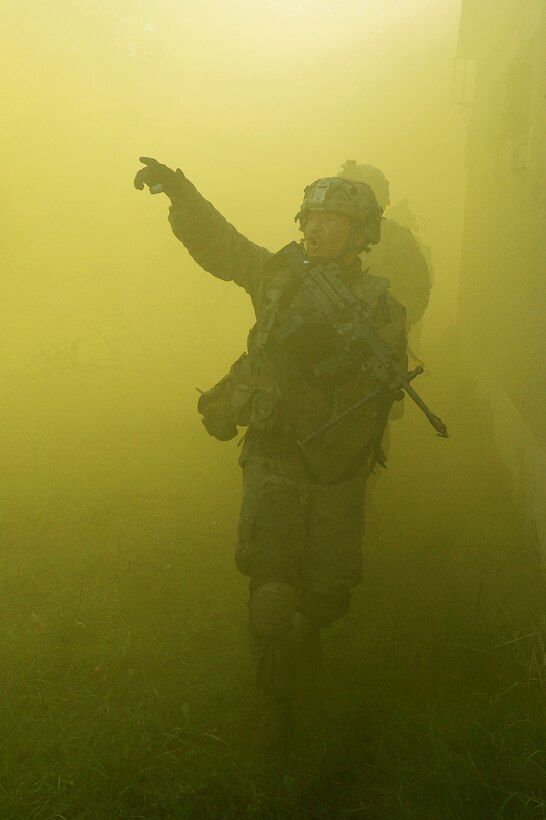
(293, 379)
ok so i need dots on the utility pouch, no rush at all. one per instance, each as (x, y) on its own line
(227, 404)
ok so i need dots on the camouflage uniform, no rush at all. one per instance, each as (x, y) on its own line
(301, 518)
(301, 521)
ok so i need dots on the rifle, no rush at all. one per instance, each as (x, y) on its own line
(345, 313)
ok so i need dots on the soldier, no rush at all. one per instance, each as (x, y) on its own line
(399, 257)
(301, 519)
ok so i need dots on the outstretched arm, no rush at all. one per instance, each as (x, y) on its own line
(214, 244)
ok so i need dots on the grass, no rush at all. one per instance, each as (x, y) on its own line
(126, 685)
(126, 688)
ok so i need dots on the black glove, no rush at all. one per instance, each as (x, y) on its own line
(159, 178)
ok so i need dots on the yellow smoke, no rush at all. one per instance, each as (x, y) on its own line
(109, 325)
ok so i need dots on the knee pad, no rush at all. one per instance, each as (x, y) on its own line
(271, 608)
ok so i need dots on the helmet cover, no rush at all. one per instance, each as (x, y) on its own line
(351, 198)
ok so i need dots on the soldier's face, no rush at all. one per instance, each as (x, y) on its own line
(326, 234)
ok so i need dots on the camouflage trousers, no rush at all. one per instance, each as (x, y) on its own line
(300, 533)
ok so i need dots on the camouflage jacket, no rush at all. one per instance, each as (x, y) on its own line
(275, 399)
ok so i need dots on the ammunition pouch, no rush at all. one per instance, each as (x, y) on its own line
(226, 404)
(239, 399)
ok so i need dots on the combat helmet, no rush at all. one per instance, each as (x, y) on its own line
(356, 171)
(352, 198)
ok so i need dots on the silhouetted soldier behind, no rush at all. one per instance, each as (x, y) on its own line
(399, 256)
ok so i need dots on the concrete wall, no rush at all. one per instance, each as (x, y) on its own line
(500, 82)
